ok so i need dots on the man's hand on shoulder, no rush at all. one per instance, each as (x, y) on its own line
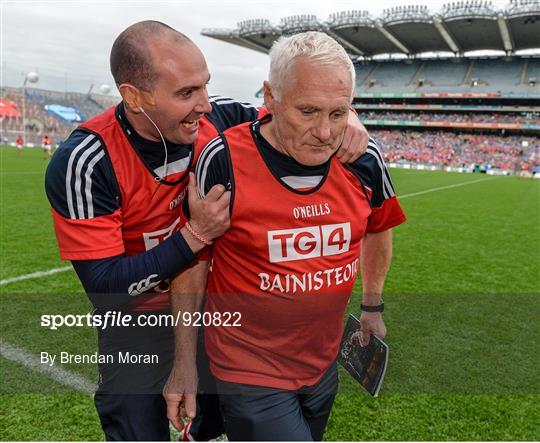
(180, 393)
(355, 141)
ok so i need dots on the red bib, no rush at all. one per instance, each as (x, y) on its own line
(288, 265)
(150, 211)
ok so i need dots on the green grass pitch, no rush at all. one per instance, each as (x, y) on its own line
(462, 310)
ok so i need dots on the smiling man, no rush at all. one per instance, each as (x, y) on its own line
(302, 224)
(116, 187)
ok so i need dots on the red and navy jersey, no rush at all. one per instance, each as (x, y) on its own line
(213, 168)
(289, 261)
(103, 190)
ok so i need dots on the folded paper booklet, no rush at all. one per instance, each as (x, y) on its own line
(366, 364)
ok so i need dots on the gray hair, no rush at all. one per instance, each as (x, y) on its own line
(312, 45)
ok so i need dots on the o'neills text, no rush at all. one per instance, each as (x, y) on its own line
(311, 210)
(309, 281)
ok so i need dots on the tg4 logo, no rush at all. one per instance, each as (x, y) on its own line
(308, 242)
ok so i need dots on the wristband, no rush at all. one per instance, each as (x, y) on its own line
(197, 235)
(378, 308)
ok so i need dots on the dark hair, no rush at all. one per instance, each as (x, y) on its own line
(131, 60)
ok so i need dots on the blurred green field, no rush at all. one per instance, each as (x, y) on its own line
(462, 310)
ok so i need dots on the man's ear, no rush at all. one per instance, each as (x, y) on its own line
(134, 97)
(269, 100)
(131, 96)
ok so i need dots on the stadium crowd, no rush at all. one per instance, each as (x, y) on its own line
(466, 117)
(443, 148)
(39, 121)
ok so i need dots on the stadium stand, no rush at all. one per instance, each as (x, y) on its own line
(475, 117)
(423, 87)
(418, 88)
(45, 113)
(533, 71)
(457, 150)
(391, 75)
(442, 73)
(491, 74)
(362, 72)
(451, 75)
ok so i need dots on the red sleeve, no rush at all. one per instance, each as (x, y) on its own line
(262, 112)
(89, 239)
(387, 216)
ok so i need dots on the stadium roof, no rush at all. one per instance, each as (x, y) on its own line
(459, 27)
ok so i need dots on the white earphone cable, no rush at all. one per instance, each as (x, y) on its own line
(158, 178)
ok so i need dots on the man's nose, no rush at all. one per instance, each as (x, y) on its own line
(203, 105)
(322, 130)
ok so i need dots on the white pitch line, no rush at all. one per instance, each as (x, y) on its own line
(441, 188)
(38, 274)
(62, 376)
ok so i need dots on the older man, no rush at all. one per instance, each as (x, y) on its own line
(302, 224)
(116, 187)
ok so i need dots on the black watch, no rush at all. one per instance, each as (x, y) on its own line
(378, 308)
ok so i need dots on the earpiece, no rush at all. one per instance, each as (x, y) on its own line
(158, 178)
